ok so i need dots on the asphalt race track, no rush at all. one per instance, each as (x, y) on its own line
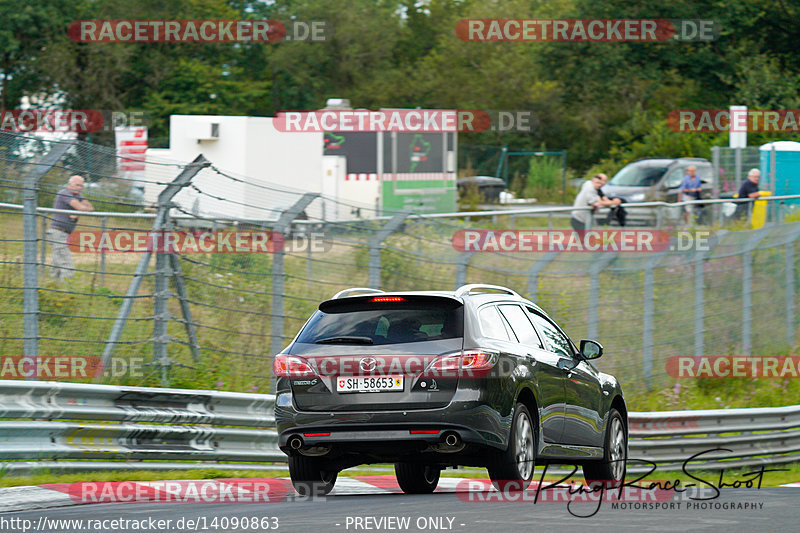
(357, 506)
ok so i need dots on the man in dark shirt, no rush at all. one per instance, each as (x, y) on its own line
(749, 189)
(63, 224)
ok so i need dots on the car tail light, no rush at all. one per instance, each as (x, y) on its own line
(424, 431)
(317, 434)
(290, 366)
(386, 299)
(477, 360)
(468, 363)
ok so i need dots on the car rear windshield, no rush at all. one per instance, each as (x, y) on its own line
(366, 321)
(638, 176)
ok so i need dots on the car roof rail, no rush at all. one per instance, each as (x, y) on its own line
(465, 290)
(355, 290)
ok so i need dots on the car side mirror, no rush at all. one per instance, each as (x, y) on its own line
(591, 349)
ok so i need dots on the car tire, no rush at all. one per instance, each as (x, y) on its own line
(310, 477)
(512, 470)
(611, 470)
(416, 478)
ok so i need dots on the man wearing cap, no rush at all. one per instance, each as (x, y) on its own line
(62, 224)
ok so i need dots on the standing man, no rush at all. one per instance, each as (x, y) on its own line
(589, 196)
(749, 189)
(63, 224)
(690, 190)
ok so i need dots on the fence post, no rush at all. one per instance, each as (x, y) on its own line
(747, 289)
(699, 293)
(161, 316)
(30, 303)
(789, 279)
(533, 273)
(737, 161)
(461, 268)
(282, 227)
(164, 204)
(715, 171)
(103, 255)
(43, 247)
(375, 247)
(594, 289)
(647, 315)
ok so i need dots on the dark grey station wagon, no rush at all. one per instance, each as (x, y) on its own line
(428, 380)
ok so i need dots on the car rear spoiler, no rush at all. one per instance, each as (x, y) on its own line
(355, 290)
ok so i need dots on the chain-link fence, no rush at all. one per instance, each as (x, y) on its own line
(731, 166)
(200, 318)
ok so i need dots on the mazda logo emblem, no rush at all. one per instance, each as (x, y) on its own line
(368, 364)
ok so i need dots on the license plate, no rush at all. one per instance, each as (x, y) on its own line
(369, 384)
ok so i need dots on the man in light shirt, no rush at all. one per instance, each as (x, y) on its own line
(62, 224)
(691, 187)
(589, 196)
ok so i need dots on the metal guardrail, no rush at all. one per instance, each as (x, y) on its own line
(751, 437)
(100, 422)
(100, 427)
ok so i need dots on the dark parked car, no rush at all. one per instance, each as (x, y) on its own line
(487, 186)
(426, 380)
(656, 180)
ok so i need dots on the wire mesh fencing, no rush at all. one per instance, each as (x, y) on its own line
(206, 314)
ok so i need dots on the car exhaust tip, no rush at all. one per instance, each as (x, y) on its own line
(295, 442)
(451, 439)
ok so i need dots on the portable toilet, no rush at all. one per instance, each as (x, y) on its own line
(780, 168)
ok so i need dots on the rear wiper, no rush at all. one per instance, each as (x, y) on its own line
(345, 340)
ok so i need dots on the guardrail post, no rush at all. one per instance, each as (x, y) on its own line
(375, 247)
(747, 289)
(594, 290)
(30, 303)
(461, 268)
(164, 203)
(533, 273)
(282, 227)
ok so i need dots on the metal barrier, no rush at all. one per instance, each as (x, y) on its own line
(89, 427)
(741, 437)
(102, 422)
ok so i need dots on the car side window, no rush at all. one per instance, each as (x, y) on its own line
(520, 325)
(492, 324)
(674, 178)
(556, 340)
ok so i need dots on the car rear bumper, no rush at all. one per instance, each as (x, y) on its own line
(475, 423)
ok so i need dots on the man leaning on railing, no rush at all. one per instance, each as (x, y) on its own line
(749, 189)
